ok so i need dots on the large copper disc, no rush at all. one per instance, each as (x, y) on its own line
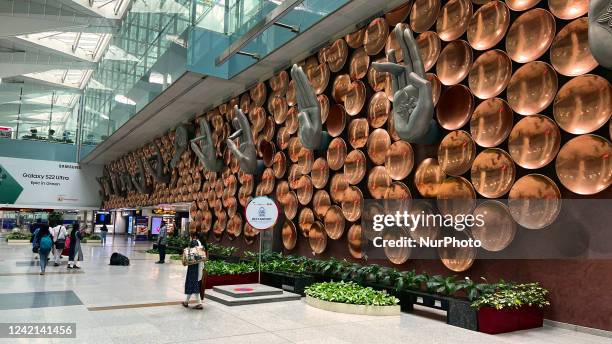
(429, 48)
(290, 95)
(342, 85)
(305, 160)
(424, 14)
(429, 229)
(305, 221)
(455, 107)
(355, 39)
(488, 25)
(493, 173)
(279, 164)
(532, 88)
(521, 5)
(456, 196)
(490, 74)
(498, 229)
(379, 110)
(289, 235)
(534, 201)
(456, 152)
(358, 132)
(249, 233)
(396, 255)
(304, 190)
(428, 177)
(534, 141)
(457, 259)
(317, 238)
(336, 154)
(454, 19)
(355, 98)
(319, 173)
(491, 122)
(354, 241)
(352, 204)
(530, 35)
(584, 104)
(336, 55)
(336, 120)
(399, 160)
(321, 203)
(570, 53)
(234, 226)
(319, 77)
(583, 164)
(334, 222)
(378, 144)
(338, 186)
(290, 206)
(378, 182)
(376, 36)
(324, 104)
(398, 14)
(277, 106)
(355, 166)
(258, 95)
(454, 62)
(568, 9)
(360, 61)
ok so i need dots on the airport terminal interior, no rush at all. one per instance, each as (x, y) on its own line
(305, 171)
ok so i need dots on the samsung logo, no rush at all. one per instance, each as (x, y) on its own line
(71, 167)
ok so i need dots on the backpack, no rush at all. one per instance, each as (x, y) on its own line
(60, 241)
(119, 259)
(45, 244)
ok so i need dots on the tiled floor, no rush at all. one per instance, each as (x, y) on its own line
(143, 282)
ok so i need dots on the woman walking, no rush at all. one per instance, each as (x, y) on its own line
(75, 247)
(194, 276)
(45, 244)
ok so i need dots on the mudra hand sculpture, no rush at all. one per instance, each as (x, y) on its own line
(246, 154)
(412, 95)
(600, 31)
(208, 153)
(156, 166)
(309, 116)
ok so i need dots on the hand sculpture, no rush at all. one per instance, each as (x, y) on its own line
(208, 153)
(600, 31)
(116, 189)
(140, 180)
(309, 116)
(413, 106)
(127, 182)
(104, 187)
(246, 154)
(181, 143)
(158, 162)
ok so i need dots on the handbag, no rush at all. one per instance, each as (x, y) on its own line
(193, 255)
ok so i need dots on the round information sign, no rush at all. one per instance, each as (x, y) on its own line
(261, 212)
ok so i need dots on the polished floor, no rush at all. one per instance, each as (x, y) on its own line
(139, 304)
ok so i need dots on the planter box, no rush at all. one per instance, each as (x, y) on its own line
(353, 309)
(461, 314)
(92, 242)
(294, 284)
(18, 241)
(492, 321)
(215, 280)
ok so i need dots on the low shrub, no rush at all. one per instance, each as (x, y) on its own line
(219, 267)
(514, 296)
(351, 293)
(18, 236)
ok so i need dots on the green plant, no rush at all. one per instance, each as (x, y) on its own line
(178, 242)
(409, 280)
(18, 236)
(220, 250)
(283, 266)
(443, 285)
(351, 293)
(219, 267)
(514, 296)
(55, 218)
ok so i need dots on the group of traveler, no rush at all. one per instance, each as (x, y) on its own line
(54, 238)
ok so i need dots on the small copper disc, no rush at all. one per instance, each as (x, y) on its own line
(282, 138)
(534, 201)
(521, 5)
(493, 173)
(454, 19)
(305, 221)
(359, 64)
(304, 190)
(234, 226)
(352, 204)
(499, 228)
(428, 229)
(324, 104)
(292, 123)
(491, 122)
(358, 132)
(584, 104)
(398, 14)
(338, 186)
(378, 110)
(319, 173)
(455, 107)
(375, 36)
(282, 189)
(258, 95)
(279, 164)
(342, 85)
(570, 54)
(354, 241)
(396, 255)
(436, 87)
(305, 160)
(428, 177)
(334, 222)
(355, 166)
(289, 235)
(378, 145)
(355, 98)
(424, 14)
(355, 39)
(378, 182)
(319, 77)
(457, 259)
(290, 206)
(336, 55)
(534, 141)
(377, 80)
(488, 25)
(295, 147)
(320, 203)
(429, 48)
(336, 154)
(278, 108)
(530, 35)
(583, 164)
(454, 62)
(456, 196)
(456, 153)
(336, 120)
(568, 9)
(290, 95)
(490, 74)
(317, 238)
(399, 160)
(532, 88)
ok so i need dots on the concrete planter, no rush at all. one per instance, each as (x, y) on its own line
(92, 242)
(18, 241)
(353, 309)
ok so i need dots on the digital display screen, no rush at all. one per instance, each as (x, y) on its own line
(155, 224)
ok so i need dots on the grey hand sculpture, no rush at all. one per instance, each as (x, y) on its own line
(246, 154)
(181, 143)
(156, 167)
(600, 31)
(104, 187)
(413, 106)
(208, 153)
(309, 116)
(140, 180)
(127, 182)
(116, 189)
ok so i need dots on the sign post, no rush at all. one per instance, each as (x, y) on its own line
(261, 213)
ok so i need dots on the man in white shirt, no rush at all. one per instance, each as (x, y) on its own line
(59, 241)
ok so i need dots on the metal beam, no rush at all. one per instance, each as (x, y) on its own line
(18, 63)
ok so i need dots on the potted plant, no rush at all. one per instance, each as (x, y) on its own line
(91, 239)
(511, 308)
(18, 237)
(352, 298)
(219, 272)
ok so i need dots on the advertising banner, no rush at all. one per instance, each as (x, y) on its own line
(48, 184)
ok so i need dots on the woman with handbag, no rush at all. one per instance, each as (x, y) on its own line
(74, 250)
(193, 258)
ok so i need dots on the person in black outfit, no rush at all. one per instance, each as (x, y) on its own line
(75, 247)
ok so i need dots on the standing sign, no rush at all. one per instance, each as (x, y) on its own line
(47, 184)
(261, 212)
